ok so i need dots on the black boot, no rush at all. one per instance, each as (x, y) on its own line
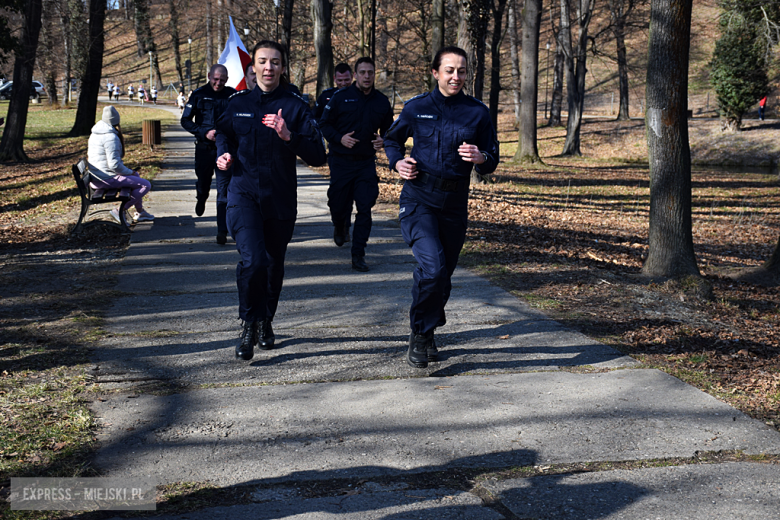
(417, 356)
(338, 235)
(267, 337)
(432, 352)
(358, 264)
(246, 349)
(345, 231)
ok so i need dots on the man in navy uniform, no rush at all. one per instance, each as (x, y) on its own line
(343, 80)
(353, 122)
(199, 118)
(452, 134)
(259, 136)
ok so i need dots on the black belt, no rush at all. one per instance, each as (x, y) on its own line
(444, 184)
(352, 157)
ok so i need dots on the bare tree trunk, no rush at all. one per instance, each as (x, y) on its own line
(173, 26)
(513, 47)
(479, 28)
(47, 63)
(465, 42)
(495, 59)
(527, 151)
(321, 14)
(90, 79)
(619, 30)
(221, 38)
(67, 44)
(209, 35)
(12, 143)
(437, 34)
(381, 53)
(575, 75)
(140, 22)
(362, 43)
(670, 251)
(556, 103)
(287, 16)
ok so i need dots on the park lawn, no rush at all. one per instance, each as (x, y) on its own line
(35, 196)
(53, 291)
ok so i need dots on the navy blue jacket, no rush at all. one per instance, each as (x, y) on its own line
(263, 168)
(439, 125)
(349, 109)
(205, 106)
(323, 100)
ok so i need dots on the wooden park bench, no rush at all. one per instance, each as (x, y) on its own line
(90, 195)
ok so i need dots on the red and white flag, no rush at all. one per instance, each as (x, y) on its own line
(236, 58)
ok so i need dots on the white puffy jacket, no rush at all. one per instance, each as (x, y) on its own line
(105, 150)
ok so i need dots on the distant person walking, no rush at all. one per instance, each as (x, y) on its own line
(117, 92)
(181, 101)
(130, 92)
(452, 134)
(153, 94)
(141, 94)
(110, 88)
(761, 108)
(106, 148)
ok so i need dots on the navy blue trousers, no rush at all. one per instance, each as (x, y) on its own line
(205, 168)
(436, 237)
(353, 181)
(262, 244)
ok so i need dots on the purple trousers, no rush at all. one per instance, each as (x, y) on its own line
(138, 188)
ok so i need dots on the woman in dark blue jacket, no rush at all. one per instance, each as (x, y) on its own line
(259, 135)
(452, 134)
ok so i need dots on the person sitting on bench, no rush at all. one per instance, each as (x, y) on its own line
(104, 154)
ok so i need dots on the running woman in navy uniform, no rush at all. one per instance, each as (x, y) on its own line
(452, 134)
(259, 135)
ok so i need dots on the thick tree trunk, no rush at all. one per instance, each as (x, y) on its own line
(437, 34)
(321, 15)
(140, 22)
(12, 143)
(773, 264)
(670, 251)
(515, 56)
(556, 103)
(90, 79)
(173, 26)
(495, 59)
(527, 151)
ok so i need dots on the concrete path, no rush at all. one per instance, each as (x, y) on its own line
(335, 401)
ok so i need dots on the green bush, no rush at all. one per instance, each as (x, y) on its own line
(739, 68)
